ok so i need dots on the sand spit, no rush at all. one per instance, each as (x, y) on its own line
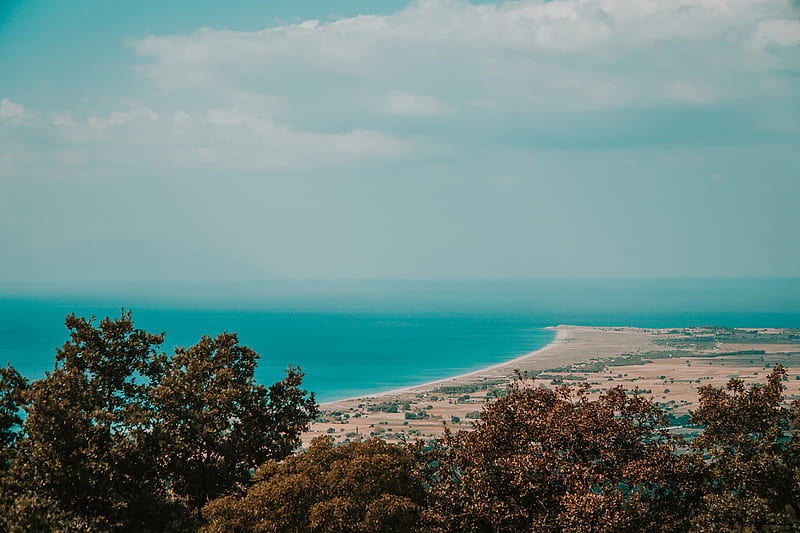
(668, 365)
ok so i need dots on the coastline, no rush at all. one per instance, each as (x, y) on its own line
(668, 365)
(573, 344)
(561, 335)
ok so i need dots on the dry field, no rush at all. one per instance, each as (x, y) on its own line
(667, 365)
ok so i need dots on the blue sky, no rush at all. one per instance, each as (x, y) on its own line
(208, 141)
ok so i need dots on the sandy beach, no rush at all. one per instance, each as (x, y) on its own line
(667, 365)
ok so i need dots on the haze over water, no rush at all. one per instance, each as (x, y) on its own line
(401, 139)
(352, 338)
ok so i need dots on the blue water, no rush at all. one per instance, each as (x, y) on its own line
(352, 338)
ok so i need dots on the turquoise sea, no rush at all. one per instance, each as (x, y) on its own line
(352, 338)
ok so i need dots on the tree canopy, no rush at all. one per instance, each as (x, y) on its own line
(752, 444)
(554, 460)
(122, 437)
(356, 487)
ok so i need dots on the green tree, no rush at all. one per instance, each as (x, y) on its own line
(120, 437)
(12, 387)
(553, 460)
(372, 486)
(750, 440)
(87, 454)
(216, 424)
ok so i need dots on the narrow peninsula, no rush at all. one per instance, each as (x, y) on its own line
(668, 365)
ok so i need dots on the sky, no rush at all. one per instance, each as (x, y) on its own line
(197, 140)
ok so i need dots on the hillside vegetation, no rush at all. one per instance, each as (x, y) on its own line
(122, 437)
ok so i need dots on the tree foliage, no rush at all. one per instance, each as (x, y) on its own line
(356, 487)
(553, 460)
(121, 437)
(12, 387)
(88, 444)
(752, 445)
(216, 424)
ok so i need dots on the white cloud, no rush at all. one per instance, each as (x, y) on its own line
(308, 25)
(776, 32)
(235, 130)
(569, 54)
(181, 119)
(403, 103)
(362, 89)
(121, 118)
(231, 139)
(12, 111)
(63, 120)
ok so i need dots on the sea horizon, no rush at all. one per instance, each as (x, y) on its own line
(366, 337)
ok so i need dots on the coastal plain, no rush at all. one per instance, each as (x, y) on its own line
(667, 365)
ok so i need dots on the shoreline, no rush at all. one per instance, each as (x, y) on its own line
(561, 335)
(667, 365)
(572, 344)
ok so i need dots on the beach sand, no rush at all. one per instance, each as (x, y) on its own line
(667, 365)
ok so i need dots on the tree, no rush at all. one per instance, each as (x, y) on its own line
(118, 435)
(86, 456)
(553, 460)
(372, 486)
(12, 386)
(216, 424)
(750, 440)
